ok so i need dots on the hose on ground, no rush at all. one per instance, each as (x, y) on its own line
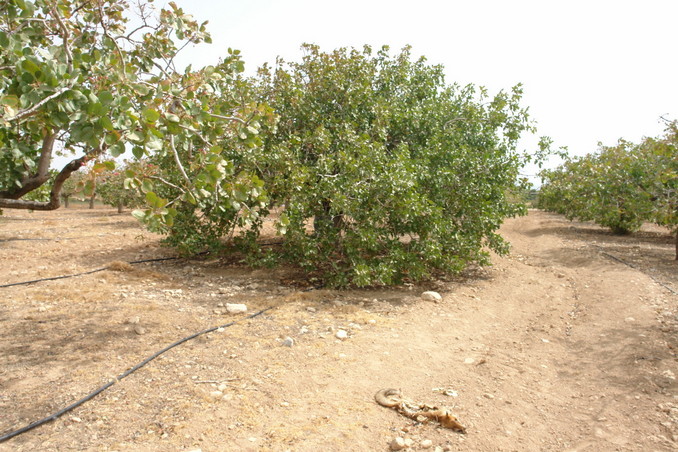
(159, 259)
(101, 389)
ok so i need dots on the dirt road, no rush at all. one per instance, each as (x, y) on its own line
(568, 344)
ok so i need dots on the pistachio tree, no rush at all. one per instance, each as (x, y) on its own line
(620, 186)
(398, 174)
(80, 79)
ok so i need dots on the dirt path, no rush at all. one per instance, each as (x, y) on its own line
(558, 347)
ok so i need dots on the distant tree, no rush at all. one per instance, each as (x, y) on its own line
(114, 192)
(619, 187)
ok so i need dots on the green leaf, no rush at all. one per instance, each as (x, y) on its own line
(137, 136)
(105, 97)
(106, 123)
(10, 100)
(151, 115)
(117, 149)
(89, 188)
(139, 214)
(146, 186)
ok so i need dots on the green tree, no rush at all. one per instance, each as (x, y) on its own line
(75, 79)
(620, 187)
(112, 189)
(400, 174)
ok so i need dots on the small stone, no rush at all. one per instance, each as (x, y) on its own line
(288, 342)
(252, 439)
(139, 330)
(487, 395)
(236, 308)
(431, 296)
(372, 321)
(341, 334)
(133, 320)
(76, 419)
(216, 394)
(222, 387)
(311, 309)
(408, 442)
(469, 361)
(397, 444)
(426, 444)
(217, 311)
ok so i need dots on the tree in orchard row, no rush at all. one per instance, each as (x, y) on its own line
(113, 190)
(75, 80)
(397, 174)
(620, 187)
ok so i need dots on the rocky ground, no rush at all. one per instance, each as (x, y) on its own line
(568, 344)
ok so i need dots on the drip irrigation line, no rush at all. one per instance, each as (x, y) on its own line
(101, 389)
(53, 278)
(628, 264)
(159, 259)
(24, 240)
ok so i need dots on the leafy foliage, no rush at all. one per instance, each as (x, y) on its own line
(74, 78)
(113, 191)
(620, 187)
(400, 174)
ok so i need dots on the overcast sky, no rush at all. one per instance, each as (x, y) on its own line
(592, 70)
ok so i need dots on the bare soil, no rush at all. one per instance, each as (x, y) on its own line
(568, 344)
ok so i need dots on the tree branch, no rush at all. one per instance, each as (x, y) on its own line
(229, 118)
(65, 37)
(41, 176)
(54, 202)
(176, 159)
(29, 111)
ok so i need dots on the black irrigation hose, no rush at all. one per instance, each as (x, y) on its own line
(628, 264)
(121, 376)
(159, 259)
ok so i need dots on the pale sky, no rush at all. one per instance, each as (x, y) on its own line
(592, 70)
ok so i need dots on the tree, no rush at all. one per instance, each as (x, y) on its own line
(620, 187)
(75, 80)
(659, 157)
(402, 175)
(113, 191)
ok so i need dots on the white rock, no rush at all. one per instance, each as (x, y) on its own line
(426, 444)
(216, 394)
(288, 342)
(341, 334)
(431, 296)
(236, 308)
(397, 444)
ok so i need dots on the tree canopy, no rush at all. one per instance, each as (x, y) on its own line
(620, 186)
(77, 80)
(377, 169)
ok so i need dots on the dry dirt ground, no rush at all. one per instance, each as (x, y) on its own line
(568, 344)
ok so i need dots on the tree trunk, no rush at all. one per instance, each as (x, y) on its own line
(120, 206)
(91, 201)
(65, 198)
